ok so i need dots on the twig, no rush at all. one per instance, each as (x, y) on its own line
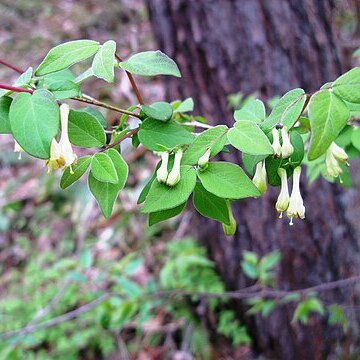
(132, 82)
(14, 88)
(104, 105)
(11, 66)
(117, 142)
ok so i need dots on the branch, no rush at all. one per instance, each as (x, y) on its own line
(14, 88)
(10, 66)
(104, 105)
(126, 136)
(132, 82)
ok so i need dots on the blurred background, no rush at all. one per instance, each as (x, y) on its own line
(58, 254)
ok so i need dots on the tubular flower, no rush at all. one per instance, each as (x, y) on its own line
(18, 148)
(259, 178)
(282, 202)
(229, 230)
(296, 205)
(61, 153)
(174, 175)
(334, 155)
(276, 142)
(162, 172)
(286, 149)
(204, 159)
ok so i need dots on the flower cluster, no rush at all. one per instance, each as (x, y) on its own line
(173, 177)
(285, 150)
(334, 156)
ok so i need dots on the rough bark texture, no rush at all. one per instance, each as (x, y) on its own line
(270, 46)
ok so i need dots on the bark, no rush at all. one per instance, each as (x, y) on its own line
(269, 46)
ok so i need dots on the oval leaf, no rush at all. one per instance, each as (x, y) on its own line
(64, 55)
(347, 86)
(34, 121)
(150, 63)
(85, 130)
(106, 193)
(253, 110)
(163, 197)
(228, 181)
(247, 137)
(78, 169)
(103, 169)
(159, 110)
(163, 215)
(328, 115)
(104, 60)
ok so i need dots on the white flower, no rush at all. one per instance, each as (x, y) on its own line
(174, 175)
(61, 153)
(162, 172)
(296, 205)
(204, 159)
(334, 155)
(18, 148)
(282, 202)
(276, 142)
(286, 149)
(259, 178)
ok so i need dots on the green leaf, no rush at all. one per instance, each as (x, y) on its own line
(155, 135)
(159, 111)
(64, 55)
(210, 205)
(96, 114)
(250, 161)
(185, 106)
(64, 89)
(287, 110)
(269, 261)
(163, 215)
(104, 60)
(85, 130)
(78, 169)
(145, 190)
(5, 103)
(328, 115)
(163, 197)
(86, 75)
(227, 180)
(106, 193)
(253, 110)
(34, 121)
(247, 137)
(103, 169)
(214, 138)
(355, 138)
(347, 86)
(150, 63)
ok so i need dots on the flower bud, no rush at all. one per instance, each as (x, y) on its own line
(229, 230)
(276, 142)
(174, 175)
(259, 178)
(204, 160)
(282, 202)
(296, 205)
(18, 148)
(286, 149)
(162, 172)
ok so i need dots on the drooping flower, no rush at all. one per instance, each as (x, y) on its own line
(174, 175)
(283, 200)
(18, 148)
(259, 178)
(276, 142)
(334, 155)
(61, 153)
(204, 159)
(286, 149)
(162, 172)
(230, 229)
(296, 205)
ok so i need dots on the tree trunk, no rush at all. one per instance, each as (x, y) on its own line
(270, 46)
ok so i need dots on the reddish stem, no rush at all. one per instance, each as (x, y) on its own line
(132, 81)
(10, 66)
(14, 88)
